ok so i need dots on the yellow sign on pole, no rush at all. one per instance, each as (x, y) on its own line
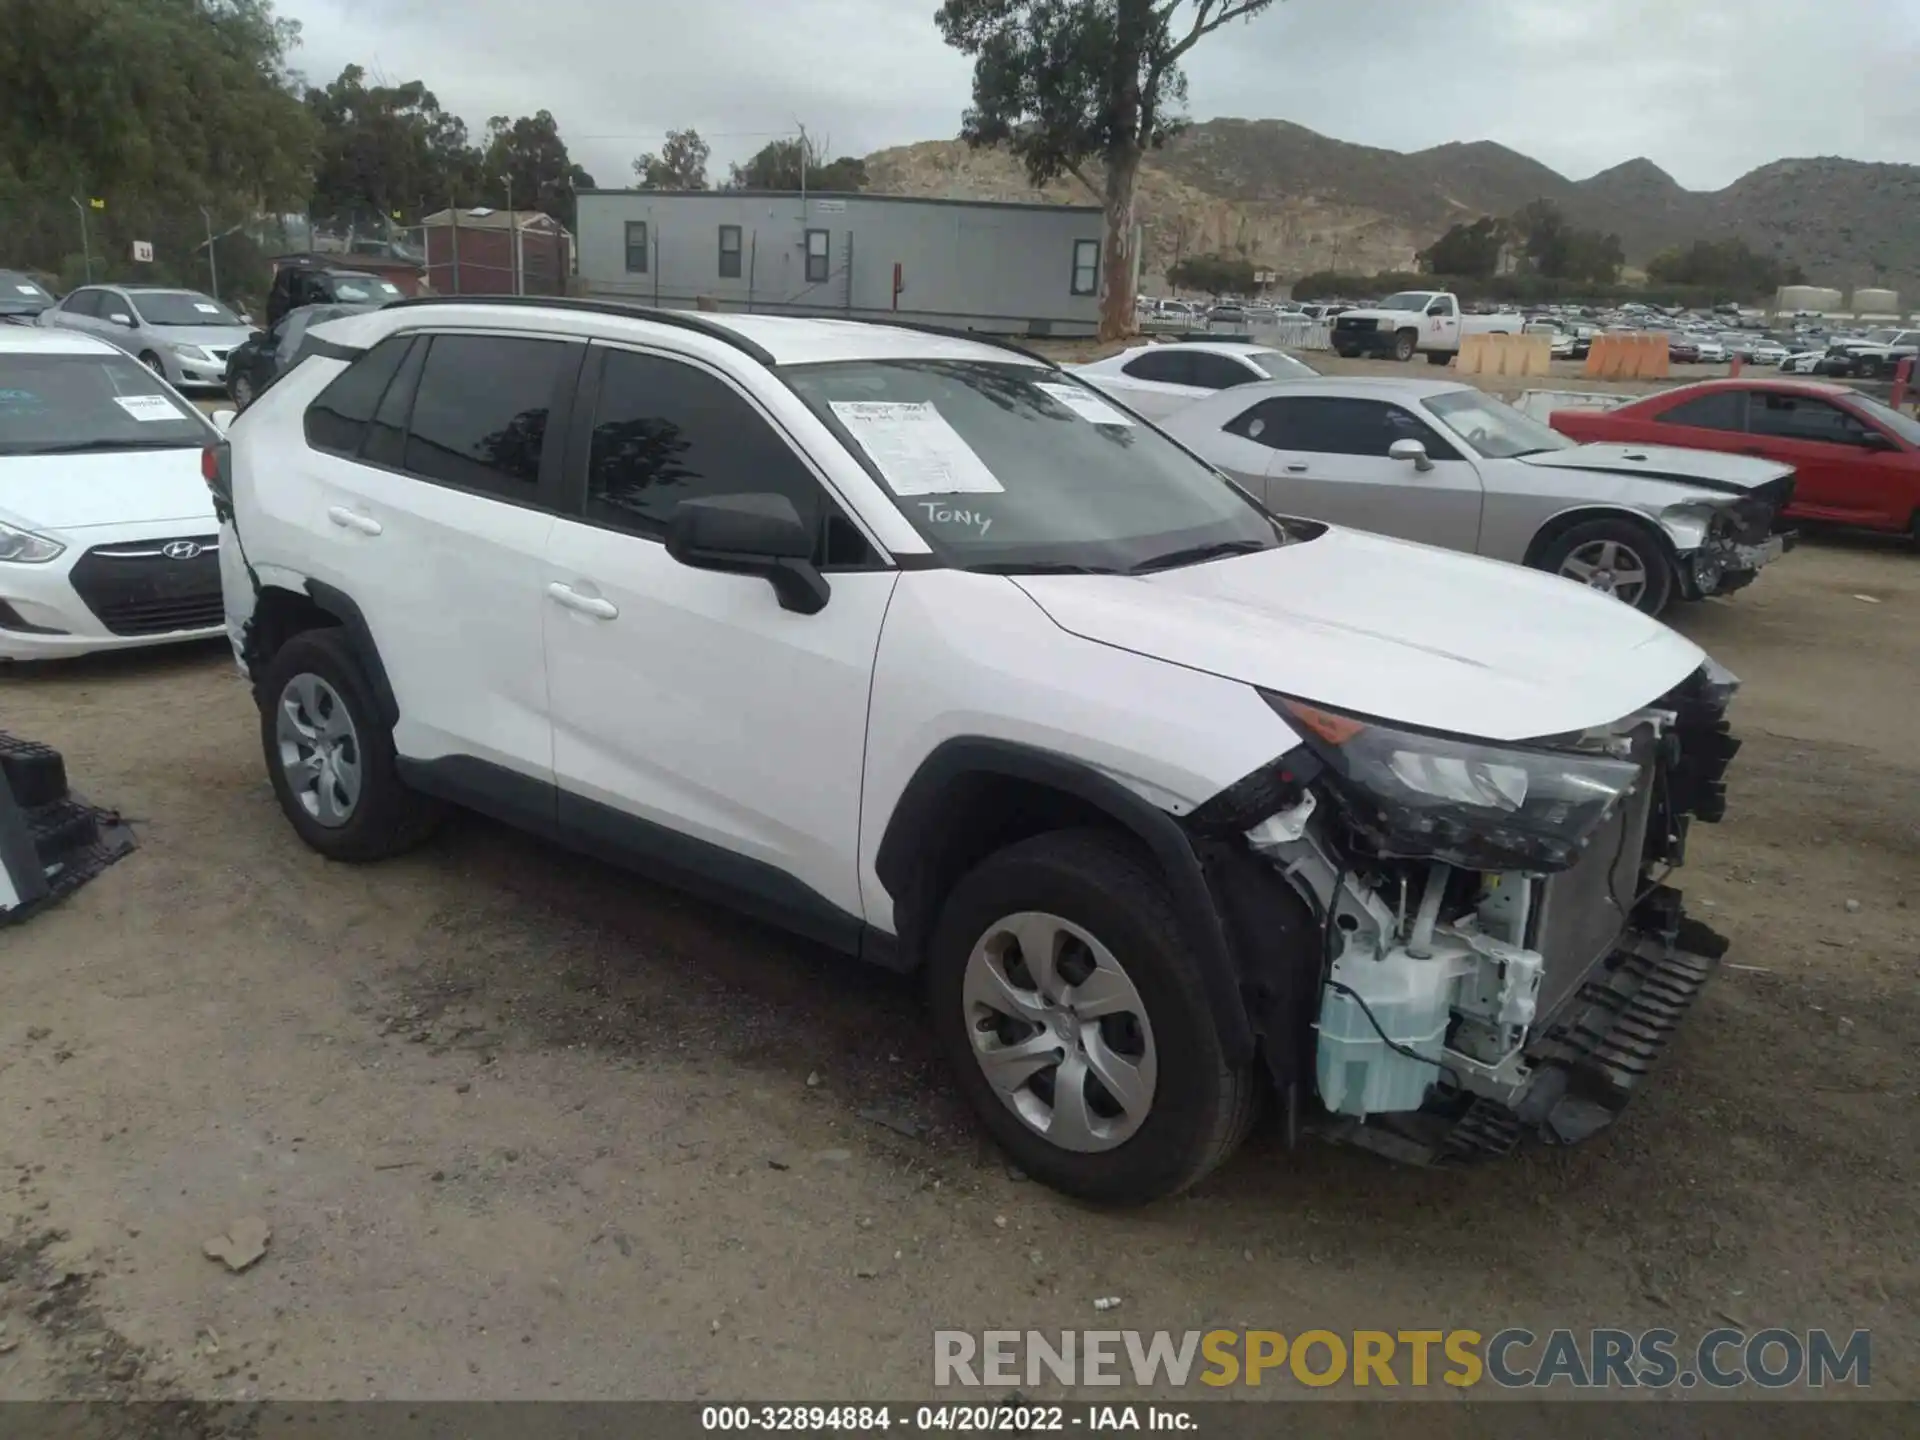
(97, 203)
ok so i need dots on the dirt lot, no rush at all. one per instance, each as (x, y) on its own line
(524, 1126)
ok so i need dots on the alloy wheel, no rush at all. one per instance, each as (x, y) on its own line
(1060, 1031)
(1610, 566)
(319, 750)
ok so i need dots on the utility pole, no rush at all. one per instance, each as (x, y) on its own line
(86, 251)
(213, 265)
(513, 234)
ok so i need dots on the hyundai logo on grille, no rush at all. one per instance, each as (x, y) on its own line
(180, 549)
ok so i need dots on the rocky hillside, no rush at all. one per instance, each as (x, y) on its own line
(1293, 199)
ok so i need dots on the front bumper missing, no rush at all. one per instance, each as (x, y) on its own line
(1584, 1071)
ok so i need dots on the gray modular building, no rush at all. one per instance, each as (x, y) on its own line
(1017, 269)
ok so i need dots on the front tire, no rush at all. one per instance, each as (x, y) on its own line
(1404, 344)
(1615, 557)
(329, 757)
(154, 363)
(242, 391)
(1072, 1010)
(1440, 357)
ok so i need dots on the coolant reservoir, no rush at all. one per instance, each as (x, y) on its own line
(1359, 1073)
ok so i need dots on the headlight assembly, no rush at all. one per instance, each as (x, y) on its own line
(1440, 797)
(23, 547)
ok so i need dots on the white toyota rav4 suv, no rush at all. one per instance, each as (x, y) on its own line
(914, 644)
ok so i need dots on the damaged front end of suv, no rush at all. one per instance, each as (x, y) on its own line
(1494, 953)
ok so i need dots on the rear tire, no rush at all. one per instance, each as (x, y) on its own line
(1617, 557)
(1404, 344)
(1060, 891)
(1440, 357)
(331, 759)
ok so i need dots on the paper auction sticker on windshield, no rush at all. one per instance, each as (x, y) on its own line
(1085, 404)
(916, 450)
(206, 309)
(148, 407)
(28, 289)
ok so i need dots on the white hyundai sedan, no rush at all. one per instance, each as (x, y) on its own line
(107, 532)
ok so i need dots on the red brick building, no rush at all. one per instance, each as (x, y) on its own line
(472, 252)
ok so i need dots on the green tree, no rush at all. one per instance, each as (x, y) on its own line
(526, 161)
(1215, 274)
(159, 107)
(1066, 83)
(386, 149)
(1729, 267)
(680, 165)
(1467, 249)
(780, 164)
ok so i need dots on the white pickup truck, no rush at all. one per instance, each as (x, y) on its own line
(1426, 321)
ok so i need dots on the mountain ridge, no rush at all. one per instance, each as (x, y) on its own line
(1292, 199)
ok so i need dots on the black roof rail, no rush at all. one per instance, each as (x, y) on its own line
(682, 319)
(948, 332)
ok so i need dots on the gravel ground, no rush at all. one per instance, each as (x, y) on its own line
(524, 1126)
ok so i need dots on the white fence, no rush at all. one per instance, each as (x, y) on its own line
(1288, 332)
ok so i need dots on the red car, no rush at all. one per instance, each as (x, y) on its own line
(1856, 460)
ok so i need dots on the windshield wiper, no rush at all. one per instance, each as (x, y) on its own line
(1197, 554)
(77, 447)
(1039, 567)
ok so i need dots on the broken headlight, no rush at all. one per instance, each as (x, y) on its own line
(1480, 805)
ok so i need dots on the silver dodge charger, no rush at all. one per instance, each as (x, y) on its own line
(1446, 464)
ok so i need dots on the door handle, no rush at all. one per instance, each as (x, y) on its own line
(1296, 468)
(585, 604)
(353, 520)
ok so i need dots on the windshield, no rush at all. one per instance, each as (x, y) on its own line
(1281, 367)
(21, 296)
(1881, 337)
(182, 307)
(1011, 468)
(1406, 300)
(89, 402)
(1898, 421)
(361, 289)
(1493, 428)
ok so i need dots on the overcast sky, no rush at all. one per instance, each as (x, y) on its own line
(1707, 89)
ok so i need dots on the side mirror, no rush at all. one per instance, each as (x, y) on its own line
(1410, 450)
(751, 534)
(223, 420)
(121, 319)
(1875, 440)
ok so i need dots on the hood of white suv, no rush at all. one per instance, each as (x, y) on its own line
(108, 487)
(1381, 627)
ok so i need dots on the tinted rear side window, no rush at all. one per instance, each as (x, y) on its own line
(1336, 425)
(1170, 367)
(1718, 410)
(338, 417)
(1219, 372)
(480, 413)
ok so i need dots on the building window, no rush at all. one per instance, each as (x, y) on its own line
(1086, 267)
(636, 247)
(817, 256)
(729, 252)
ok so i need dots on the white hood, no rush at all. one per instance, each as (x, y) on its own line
(124, 487)
(1665, 462)
(1381, 627)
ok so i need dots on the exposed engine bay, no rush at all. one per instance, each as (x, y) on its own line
(1500, 956)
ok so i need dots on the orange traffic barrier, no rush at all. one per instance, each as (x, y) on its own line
(1628, 357)
(1514, 355)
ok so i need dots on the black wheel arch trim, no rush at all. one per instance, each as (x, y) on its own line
(353, 621)
(916, 814)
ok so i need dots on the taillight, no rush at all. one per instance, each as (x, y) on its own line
(216, 468)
